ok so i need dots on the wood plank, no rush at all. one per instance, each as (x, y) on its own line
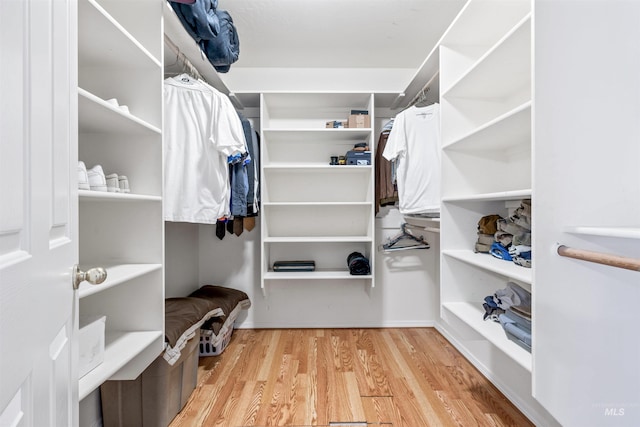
(311, 377)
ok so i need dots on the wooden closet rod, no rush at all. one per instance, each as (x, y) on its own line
(600, 258)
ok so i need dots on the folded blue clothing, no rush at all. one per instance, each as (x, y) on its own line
(522, 322)
(499, 251)
(514, 332)
(199, 19)
(223, 50)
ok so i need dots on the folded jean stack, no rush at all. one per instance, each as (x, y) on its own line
(212, 29)
(511, 307)
(507, 239)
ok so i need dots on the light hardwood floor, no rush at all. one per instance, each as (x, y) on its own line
(315, 377)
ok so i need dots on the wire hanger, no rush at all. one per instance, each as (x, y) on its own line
(405, 240)
(187, 66)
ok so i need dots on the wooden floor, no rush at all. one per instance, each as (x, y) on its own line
(317, 377)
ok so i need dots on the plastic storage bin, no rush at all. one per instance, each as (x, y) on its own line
(206, 346)
(156, 396)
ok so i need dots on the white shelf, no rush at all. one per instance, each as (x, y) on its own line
(179, 36)
(490, 263)
(117, 275)
(303, 135)
(102, 40)
(501, 195)
(290, 167)
(503, 70)
(504, 132)
(95, 115)
(316, 204)
(319, 239)
(313, 275)
(617, 232)
(120, 348)
(471, 314)
(90, 195)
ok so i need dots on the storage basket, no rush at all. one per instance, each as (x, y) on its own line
(207, 348)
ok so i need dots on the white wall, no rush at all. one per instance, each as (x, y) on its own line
(406, 292)
(378, 80)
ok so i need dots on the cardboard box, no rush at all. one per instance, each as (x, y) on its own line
(91, 343)
(359, 121)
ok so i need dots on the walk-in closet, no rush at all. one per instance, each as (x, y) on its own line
(298, 213)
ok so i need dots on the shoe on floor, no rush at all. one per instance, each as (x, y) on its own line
(97, 180)
(83, 178)
(123, 183)
(112, 183)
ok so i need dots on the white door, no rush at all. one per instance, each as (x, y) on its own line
(586, 354)
(38, 213)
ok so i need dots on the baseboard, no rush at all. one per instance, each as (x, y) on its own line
(329, 325)
(525, 407)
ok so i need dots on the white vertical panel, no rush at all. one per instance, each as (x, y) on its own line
(14, 413)
(60, 364)
(60, 132)
(13, 129)
(586, 109)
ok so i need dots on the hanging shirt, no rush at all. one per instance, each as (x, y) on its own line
(201, 130)
(414, 142)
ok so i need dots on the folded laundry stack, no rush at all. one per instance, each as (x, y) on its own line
(511, 307)
(507, 239)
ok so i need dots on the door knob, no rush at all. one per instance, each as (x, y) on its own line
(95, 276)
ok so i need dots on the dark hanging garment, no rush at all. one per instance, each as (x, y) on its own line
(386, 191)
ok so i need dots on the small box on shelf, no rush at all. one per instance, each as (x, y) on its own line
(358, 157)
(359, 121)
(336, 124)
(91, 343)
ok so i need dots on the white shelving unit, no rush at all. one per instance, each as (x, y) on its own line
(485, 84)
(120, 57)
(312, 210)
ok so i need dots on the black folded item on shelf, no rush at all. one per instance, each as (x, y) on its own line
(358, 264)
(294, 266)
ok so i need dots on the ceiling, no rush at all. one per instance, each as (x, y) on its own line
(360, 45)
(338, 33)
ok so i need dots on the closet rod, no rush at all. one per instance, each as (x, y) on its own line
(424, 89)
(182, 58)
(600, 258)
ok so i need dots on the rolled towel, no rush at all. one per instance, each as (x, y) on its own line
(358, 264)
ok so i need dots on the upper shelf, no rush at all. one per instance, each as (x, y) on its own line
(174, 30)
(503, 70)
(105, 41)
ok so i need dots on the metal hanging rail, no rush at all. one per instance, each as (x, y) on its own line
(600, 258)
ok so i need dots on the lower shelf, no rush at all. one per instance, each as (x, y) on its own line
(120, 349)
(116, 275)
(313, 275)
(490, 263)
(471, 314)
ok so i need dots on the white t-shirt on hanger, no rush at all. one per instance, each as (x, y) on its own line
(414, 142)
(201, 129)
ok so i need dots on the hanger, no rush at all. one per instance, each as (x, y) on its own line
(405, 240)
(187, 66)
